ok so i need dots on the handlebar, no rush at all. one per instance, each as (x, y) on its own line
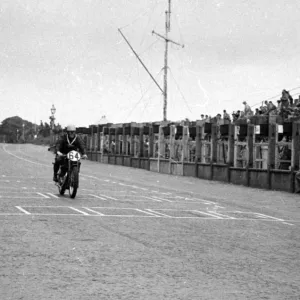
(65, 155)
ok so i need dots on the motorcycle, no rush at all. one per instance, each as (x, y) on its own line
(68, 174)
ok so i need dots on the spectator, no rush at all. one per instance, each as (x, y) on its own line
(226, 115)
(286, 99)
(247, 110)
(263, 109)
(279, 110)
(202, 117)
(234, 118)
(271, 106)
(257, 112)
(237, 114)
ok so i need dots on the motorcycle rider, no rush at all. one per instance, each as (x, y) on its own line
(65, 144)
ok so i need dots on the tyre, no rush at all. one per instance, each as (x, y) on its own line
(62, 186)
(73, 182)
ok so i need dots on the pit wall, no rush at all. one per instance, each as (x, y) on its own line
(151, 147)
(280, 180)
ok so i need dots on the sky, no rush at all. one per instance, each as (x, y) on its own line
(70, 54)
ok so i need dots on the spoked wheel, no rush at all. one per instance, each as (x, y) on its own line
(62, 190)
(62, 185)
(73, 186)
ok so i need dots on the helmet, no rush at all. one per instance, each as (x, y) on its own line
(71, 128)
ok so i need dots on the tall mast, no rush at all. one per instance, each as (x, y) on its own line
(167, 40)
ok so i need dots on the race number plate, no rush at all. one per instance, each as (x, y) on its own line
(73, 155)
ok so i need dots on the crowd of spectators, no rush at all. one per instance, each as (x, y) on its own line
(286, 107)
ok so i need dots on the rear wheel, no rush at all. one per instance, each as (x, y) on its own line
(73, 186)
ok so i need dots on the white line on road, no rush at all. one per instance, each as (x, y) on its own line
(54, 196)
(80, 211)
(162, 199)
(158, 213)
(146, 212)
(208, 214)
(94, 211)
(265, 216)
(45, 196)
(276, 219)
(23, 210)
(97, 197)
(151, 198)
(33, 162)
(221, 215)
(112, 198)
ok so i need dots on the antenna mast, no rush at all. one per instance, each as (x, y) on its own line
(168, 29)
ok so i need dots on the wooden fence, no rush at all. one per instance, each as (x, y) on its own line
(261, 153)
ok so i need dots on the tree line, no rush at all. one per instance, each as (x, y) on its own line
(15, 129)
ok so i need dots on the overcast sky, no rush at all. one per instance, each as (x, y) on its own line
(69, 53)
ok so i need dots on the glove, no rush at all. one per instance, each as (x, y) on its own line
(59, 153)
(84, 156)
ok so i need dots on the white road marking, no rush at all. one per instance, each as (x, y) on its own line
(277, 219)
(269, 217)
(151, 198)
(162, 199)
(23, 210)
(45, 196)
(94, 211)
(54, 196)
(33, 162)
(288, 223)
(158, 213)
(97, 197)
(203, 200)
(80, 211)
(208, 214)
(112, 198)
(146, 212)
(221, 215)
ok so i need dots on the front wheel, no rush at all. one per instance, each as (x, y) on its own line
(74, 178)
(61, 184)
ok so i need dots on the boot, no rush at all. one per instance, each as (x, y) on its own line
(55, 177)
(55, 170)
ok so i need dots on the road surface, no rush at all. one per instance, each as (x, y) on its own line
(135, 234)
